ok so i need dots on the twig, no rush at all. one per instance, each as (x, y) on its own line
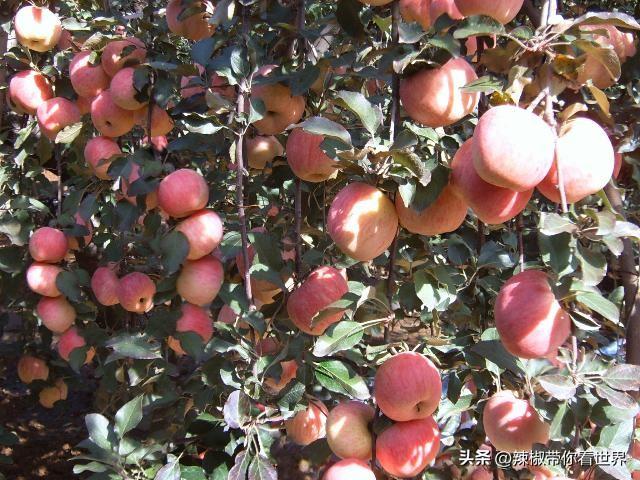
(3, 72)
(520, 230)
(300, 22)
(56, 150)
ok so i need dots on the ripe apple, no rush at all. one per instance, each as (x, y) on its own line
(104, 284)
(586, 157)
(123, 90)
(513, 148)
(204, 232)
(108, 118)
(435, 97)
(32, 368)
(28, 89)
(159, 143)
(87, 79)
(98, 153)
(444, 215)
(308, 425)
(289, 371)
(282, 108)
(513, 424)
(349, 469)
(348, 430)
(37, 28)
(227, 315)
(200, 280)
(55, 114)
(48, 245)
(183, 192)
(196, 26)
(492, 205)
(502, 10)
(151, 198)
(56, 313)
(135, 292)
(48, 396)
(306, 158)
(406, 448)
(307, 305)
(427, 12)
(84, 104)
(69, 341)
(113, 59)
(442, 7)
(161, 121)
(529, 319)
(41, 278)
(261, 150)
(193, 319)
(376, 3)
(407, 387)
(362, 221)
(73, 243)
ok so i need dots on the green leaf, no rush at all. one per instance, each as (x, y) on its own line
(174, 249)
(348, 16)
(240, 467)
(370, 115)
(558, 386)
(616, 437)
(69, 284)
(599, 304)
(623, 377)
(338, 377)
(129, 416)
(192, 473)
(553, 224)
(100, 431)
(261, 469)
(615, 398)
(341, 336)
(486, 84)
(478, 26)
(68, 134)
(171, 471)
(328, 128)
(139, 346)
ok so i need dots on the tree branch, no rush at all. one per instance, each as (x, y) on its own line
(3, 72)
(300, 22)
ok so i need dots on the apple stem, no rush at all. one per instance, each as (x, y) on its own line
(300, 23)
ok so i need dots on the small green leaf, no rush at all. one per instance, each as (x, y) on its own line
(599, 304)
(341, 336)
(338, 377)
(370, 115)
(174, 248)
(129, 416)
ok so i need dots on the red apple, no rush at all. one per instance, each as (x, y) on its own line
(104, 284)
(307, 305)
(408, 387)
(513, 148)
(37, 28)
(69, 341)
(349, 469)
(48, 245)
(183, 192)
(376, 3)
(492, 205)
(282, 108)
(308, 425)
(161, 121)
(41, 278)
(84, 104)
(227, 315)
(405, 449)
(306, 158)
(502, 10)
(73, 243)
(193, 319)
(114, 57)
(32, 368)
(87, 79)
(513, 424)
(444, 215)
(195, 25)
(348, 430)
(108, 118)
(123, 90)
(48, 396)
(204, 232)
(98, 153)
(56, 114)
(135, 292)
(289, 372)
(529, 319)
(362, 221)
(151, 198)
(56, 313)
(263, 150)
(28, 89)
(435, 97)
(200, 280)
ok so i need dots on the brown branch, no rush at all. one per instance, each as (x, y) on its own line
(532, 12)
(3, 72)
(520, 231)
(300, 22)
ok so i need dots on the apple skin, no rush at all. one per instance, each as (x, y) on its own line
(586, 157)
(108, 118)
(282, 108)
(41, 278)
(104, 284)
(501, 10)
(261, 150)
(407, 387)
(306, 305)
(32, 368)
(348, 430)
(56, 114)
(405, 449)
(513, 148)
(123, 90)
(434, 97)
(227, 315)
(97, 152)
(289, 372)
(56, 313)
(444, 215)
(182, 193)
(200, 280)
(308, 425)
(427, 12)
(362, 221)
(37, 28)
(112, 59)
(492, 205)
(48, 245)
(306, 158)
(376, 3)
(193, 319)
(204, 232)
(84, 104)
(48, 396)
(151, 198)
(529, 319)
(442, 7)
(69, 341)
(512, 424)
(349, 469)
(161, 121)
(135, 292)
(87, 80)
(28, 89)
(195, 27)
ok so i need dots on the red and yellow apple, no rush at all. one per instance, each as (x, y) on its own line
(108, 118)
(41, 278)
(192, 319)
(55, 114)
(135, 292)
(348, 430)
(123, 90)
(122, 53)
(48, 396)
(48, 245)
(349, 469)
(305, 157)
(87, 79)
(37, 28)
(262, 150)
(182, 193)
(195, 26)
(28, 89)
(32, 368)
(444, 215)
(200, 280)
(104, 284)
(74, 242)
(161, 121)
(56, 313)
(69, 341)
(282, 108)
(98, 153)
(308, 425)
(151, 198)
(501, 10)
(289, 370)
(204, 232)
